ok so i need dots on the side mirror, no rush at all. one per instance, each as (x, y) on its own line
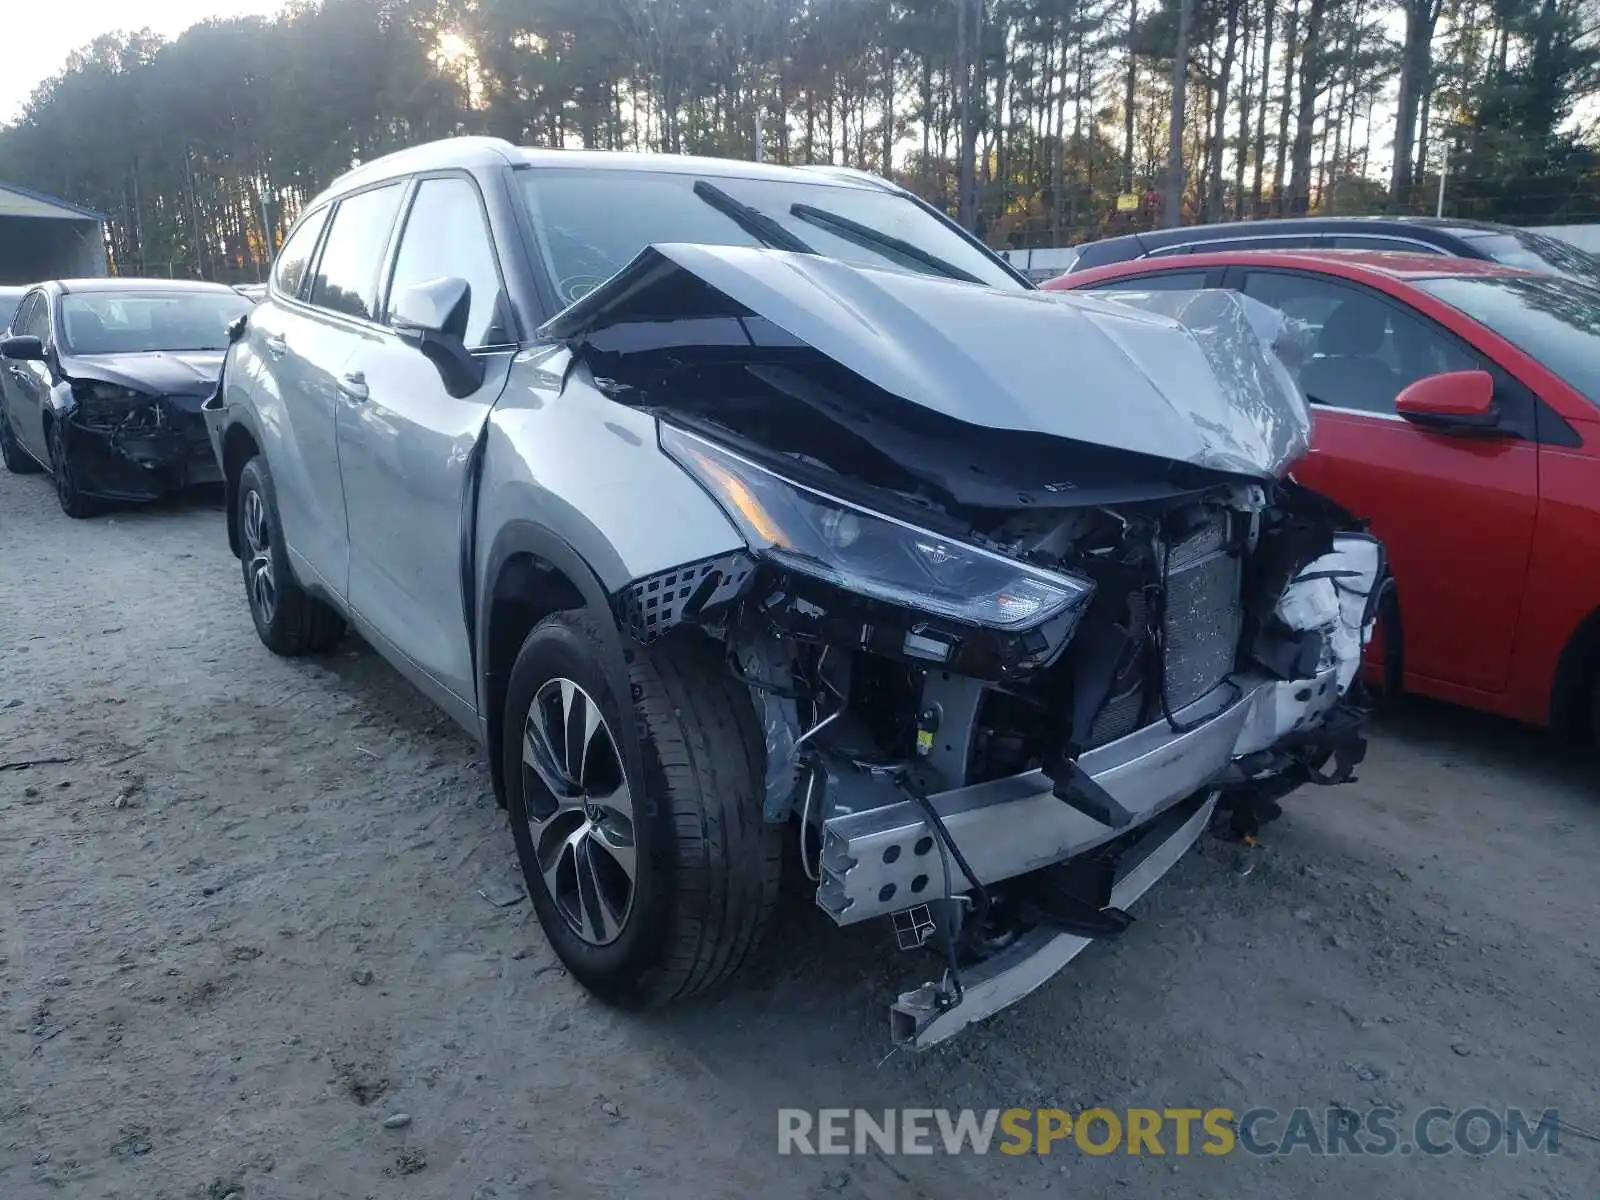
(237, 326)
(24, 347)
(1455, 401)
(432, 316)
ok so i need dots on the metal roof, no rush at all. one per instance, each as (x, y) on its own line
(18, 201)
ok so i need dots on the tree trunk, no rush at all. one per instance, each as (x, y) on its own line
(1312, 62)
(1261, 110)
(1416, 80)
(1220, 116)
(967, 141)
(1241, 145)
(1173, 216)
(1285, 103)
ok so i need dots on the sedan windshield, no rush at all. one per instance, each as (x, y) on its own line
(1553, 320)
(1536, 252)
(9, 302)
(590, 224)
(136, 323)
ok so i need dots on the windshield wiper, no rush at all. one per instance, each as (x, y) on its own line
(873, 239)
(752, 220)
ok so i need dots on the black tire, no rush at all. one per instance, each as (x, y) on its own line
(708, 867)
(289, 620)
(18, 461)
(74, 502)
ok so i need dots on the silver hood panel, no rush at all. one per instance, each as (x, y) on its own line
(1193, 384)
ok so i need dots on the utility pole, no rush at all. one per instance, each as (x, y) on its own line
(966, 169)
(194, 215)
(1127, 100)
(1444, 173)
(1180, 80)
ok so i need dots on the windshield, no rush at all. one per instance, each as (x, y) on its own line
(9, 302)
(1535, 252)
(135, 323)
(1553, 320)
(590, 224)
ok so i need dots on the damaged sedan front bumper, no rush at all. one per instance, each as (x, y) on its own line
(143, 454)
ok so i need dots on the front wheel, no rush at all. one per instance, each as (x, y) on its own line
(638, 820)
(74, 501)
(289, 620)
(18, 461)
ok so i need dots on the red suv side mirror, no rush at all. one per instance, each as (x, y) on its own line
(1454, 400)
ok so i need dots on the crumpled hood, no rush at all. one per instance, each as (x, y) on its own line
(1196, 387)
(159, 372)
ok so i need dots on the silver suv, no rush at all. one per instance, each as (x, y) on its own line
(735, 508)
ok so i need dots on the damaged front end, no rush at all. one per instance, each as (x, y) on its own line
(128, 444)
(1010, 657)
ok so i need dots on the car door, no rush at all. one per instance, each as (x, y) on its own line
(27, 384)
(1456, 513)
(325, 297)
(406, 444)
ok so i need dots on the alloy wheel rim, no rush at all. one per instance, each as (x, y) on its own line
(580, 811)
(258, 573)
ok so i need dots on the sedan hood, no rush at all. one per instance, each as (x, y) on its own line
(1196, 387)
(158, 372)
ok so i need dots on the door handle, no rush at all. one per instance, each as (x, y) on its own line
(277, 346)
(353, 386)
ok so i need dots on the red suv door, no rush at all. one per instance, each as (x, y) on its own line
(1455, 513)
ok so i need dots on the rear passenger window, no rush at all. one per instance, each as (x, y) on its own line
(347, 272)
(1164, 281)
(294, 258)
(445, 236)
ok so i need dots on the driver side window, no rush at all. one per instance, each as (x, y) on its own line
(33, 318)
(445, 236)
(1367, 348)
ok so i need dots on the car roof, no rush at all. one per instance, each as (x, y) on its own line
(1284, 226)
(479, 152)
(124, 283)
(1401, 265)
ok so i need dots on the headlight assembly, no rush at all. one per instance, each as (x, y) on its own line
(101, 404)
(871, 554)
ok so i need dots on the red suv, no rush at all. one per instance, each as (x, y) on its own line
(1457, 408)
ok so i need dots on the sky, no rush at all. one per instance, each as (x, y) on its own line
(75, 23)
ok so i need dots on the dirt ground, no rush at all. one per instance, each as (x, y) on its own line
(253, 917)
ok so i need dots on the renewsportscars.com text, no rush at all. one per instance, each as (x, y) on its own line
(1375, 1132)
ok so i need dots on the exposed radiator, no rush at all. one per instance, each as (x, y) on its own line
(1203, 620)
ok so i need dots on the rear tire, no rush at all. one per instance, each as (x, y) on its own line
(74, 502)
(289, 620)
(706, 866)
(18, 461)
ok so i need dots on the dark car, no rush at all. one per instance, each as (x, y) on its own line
(1417, 235)
(103, 381)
